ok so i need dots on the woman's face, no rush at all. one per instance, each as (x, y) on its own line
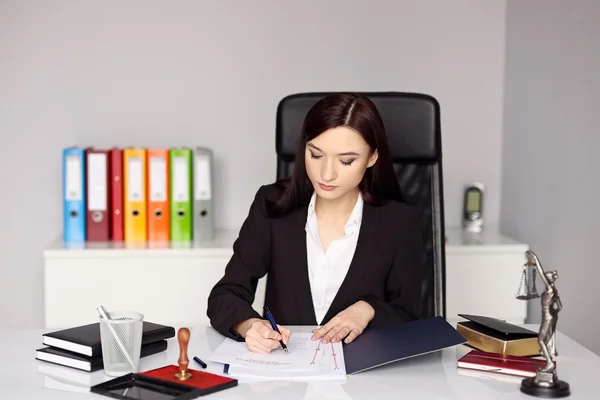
(336, 161)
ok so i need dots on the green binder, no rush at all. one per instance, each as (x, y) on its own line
(181, 196)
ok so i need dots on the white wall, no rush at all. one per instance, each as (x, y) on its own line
(551, 167)
(151, 73)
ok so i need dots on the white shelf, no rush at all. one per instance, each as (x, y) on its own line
(457, 242)
(167, 282)
(221, 246)
(490, 241)
(170, 282)
(482, 275)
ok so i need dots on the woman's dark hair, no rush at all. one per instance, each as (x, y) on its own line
(354, 111)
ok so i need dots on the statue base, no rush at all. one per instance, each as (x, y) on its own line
(545, 384)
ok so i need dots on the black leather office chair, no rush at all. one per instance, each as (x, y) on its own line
(412, 123)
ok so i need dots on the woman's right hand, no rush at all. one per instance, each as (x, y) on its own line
(261, 338)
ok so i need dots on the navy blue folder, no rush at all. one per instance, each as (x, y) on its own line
(378, 346)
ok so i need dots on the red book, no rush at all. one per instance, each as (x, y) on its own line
(116, 179)
(98, 195)
(503, 364)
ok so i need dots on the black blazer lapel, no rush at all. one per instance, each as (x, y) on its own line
(295, 235)
(365, 247)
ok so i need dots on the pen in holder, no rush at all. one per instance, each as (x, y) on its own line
(121, 340)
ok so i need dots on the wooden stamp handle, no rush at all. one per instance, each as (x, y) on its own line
(183, 336)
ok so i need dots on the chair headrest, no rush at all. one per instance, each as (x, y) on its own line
(411, 120)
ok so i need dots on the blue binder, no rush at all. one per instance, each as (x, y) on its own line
(74, 211)
(379, 346)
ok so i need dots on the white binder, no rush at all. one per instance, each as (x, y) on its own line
(203, 220)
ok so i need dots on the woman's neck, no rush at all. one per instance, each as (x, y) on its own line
(338, 209)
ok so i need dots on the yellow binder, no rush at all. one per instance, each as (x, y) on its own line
(134, 172)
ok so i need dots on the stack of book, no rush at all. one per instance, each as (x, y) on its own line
(80, 347)
(501, 350)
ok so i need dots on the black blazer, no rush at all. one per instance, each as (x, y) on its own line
(386, 270)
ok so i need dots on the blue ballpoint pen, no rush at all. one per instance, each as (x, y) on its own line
(199, 361)
(274, 326)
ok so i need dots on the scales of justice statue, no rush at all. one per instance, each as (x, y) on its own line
(545, 383)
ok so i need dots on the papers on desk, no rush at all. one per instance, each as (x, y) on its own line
(306, 360)
(331, 366)
(309, 360)
(303, 354)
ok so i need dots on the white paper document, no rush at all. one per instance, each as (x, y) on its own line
(303, 354)
(331, 367)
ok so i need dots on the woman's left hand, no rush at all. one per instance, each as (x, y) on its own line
(347, 324)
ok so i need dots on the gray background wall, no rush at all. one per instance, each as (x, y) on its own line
(550, 163)
(155, 73)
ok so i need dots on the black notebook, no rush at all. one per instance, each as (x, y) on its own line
(85, 339)
(379, 346)
(85, 363)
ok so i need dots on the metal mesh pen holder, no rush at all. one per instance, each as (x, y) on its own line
(125, 327)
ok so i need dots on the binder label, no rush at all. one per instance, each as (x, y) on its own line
(73, 184)
(158, 179)
(202, 187)
(180, 179)
(97, 181)
(135, 179)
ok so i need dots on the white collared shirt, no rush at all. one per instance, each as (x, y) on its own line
(327, 270)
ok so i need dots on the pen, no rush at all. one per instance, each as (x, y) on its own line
(274, 326)
(199, 361)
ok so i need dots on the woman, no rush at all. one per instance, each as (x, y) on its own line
(340, 246)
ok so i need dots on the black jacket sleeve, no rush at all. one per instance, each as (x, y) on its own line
(404, 281)
(230, 301)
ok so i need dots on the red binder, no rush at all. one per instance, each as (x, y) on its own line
(97, 187)
(116, 179)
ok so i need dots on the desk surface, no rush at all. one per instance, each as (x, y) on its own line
(432, 376)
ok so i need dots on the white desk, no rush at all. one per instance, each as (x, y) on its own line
(432, 376)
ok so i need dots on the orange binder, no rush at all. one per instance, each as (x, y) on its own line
(158, 195)
(134, 172)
